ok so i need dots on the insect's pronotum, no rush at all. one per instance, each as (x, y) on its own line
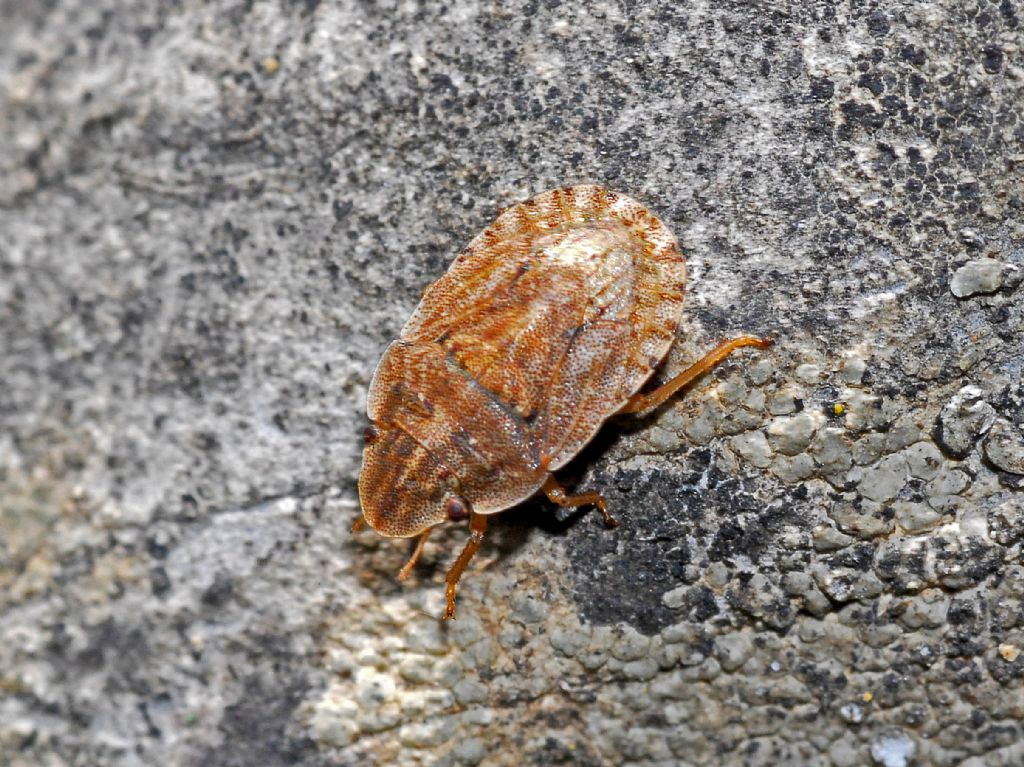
(547, 324)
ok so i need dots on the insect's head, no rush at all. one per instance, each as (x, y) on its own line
(403, 489)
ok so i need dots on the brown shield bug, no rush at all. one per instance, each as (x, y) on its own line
(547, 324)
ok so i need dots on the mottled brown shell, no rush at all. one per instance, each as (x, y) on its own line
(542, 328)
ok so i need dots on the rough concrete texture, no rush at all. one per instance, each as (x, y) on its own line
(214, 216)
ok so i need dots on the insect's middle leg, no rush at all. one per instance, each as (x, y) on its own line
(556, 494)
(477, 528)
(651, 399)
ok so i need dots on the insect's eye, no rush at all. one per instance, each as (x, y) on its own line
(456, 509)
(370, 434)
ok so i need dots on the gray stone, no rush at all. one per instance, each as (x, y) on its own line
(373, 688)
(468, 691)
(832, 450)
(662, 440)
(569, 641)
(416, 668)
(862, 518)
(852, 713)
(1004, 446)
(426, 734)
(828, 538)
(732, 391)
(868, 449)
(916, 517)
(942, 491)
(793, 469)
(795, 584)
(470, 751)
(791, 435)
(885, 479)
(962, 420)
(1006, 521)
(753, 448)
(927, 610)
(527, 608)
(630, 644)
(755, 401)
(733, 650)
(675, 598)
(816, 603)
(852, 370)
(904, 431)
(845, 585)
(760, 372)
(865, 411)
(702, 427)
(807, 373)
(923, 460)
(717, 575)
(984, 275)
(597, 652)
(783, 402)
(893, 749)
(739, 420)
(641, 670)
(847, 751)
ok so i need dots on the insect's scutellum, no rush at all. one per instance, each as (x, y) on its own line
(547, 324)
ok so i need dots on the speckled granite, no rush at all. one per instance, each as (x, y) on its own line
(213, 217)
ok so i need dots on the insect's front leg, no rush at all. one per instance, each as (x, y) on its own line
(641, 402)
(477, 528)
(556, 494)
(417, 552)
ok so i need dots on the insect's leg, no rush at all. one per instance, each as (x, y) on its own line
(654, 398)
(408, 566)
(358, 525)
(556, 494)
(477, 528)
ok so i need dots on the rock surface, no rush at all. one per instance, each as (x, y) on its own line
(213, 218)
(986, 275)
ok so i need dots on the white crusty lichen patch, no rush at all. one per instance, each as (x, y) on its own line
(409, 689)
(808, 424)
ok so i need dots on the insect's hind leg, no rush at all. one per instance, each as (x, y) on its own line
(477, 528)
(640, 402)
(556, 494)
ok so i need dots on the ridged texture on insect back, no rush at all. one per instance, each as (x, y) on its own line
(541, 329)
(403, 485)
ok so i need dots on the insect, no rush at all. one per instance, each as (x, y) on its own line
(547, 324)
